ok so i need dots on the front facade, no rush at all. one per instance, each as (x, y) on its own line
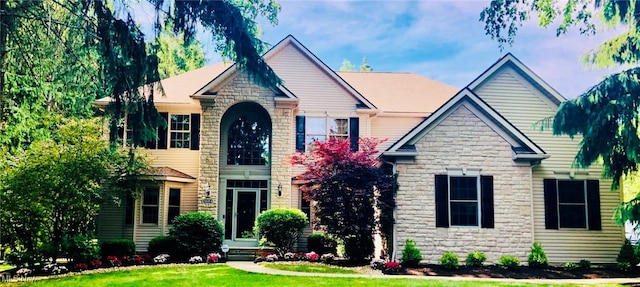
(471, 168)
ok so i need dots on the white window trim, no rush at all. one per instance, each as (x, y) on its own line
(465, 172)
(157, 205)
(327, 131)
(172, 131)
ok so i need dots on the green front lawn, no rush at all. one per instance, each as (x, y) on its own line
(223, 275)
(309, 267)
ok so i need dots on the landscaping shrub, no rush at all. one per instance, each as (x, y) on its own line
(570, 266)
(164, 244)
(411, 255)
(321, 243)
(585, 264)
(117, 247)
(627, 254)
(81, 248)
(281, 227)
(537, 258)
(449, 260)
(508, 262)
(475, 258)
(624, 266)
(197, 233)
(358, 248)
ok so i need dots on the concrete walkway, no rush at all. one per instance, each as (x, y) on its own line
(257, 268)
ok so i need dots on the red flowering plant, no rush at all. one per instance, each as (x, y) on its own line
(312, 256)
(96, 263)
(115, 262)
(138, 260)
(392, 266)
(81, 266)
(213, 257)
(147, 258)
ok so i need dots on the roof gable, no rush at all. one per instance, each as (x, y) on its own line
(510, 60)
(523, 147)
(225, 76)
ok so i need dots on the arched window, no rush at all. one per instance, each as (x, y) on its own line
(248, 142)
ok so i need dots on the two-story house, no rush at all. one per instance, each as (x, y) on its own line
(474, 171)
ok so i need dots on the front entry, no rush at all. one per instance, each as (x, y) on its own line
(244, 201)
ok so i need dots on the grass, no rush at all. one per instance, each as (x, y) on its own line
(223, 275)
(309, 267)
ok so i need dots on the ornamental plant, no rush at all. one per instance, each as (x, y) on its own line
(508, 262)
(161, 259)
(96, 263)
(281, 227)
(475, 258)
(627, 254)
(411, 255)
(392, 267)
(585, 264)
(197, 233)
(449, 260)
(81, 266)
(345, 184)
(537, 258)
(114, 261)
(312, 256)
(195, 259)
(213, 257)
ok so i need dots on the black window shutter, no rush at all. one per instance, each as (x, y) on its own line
(300, 133)
(354, 133)
(486, 208)
(195, 131)
(442, 202)
(593, 204)
(162, 132)
(550, 204)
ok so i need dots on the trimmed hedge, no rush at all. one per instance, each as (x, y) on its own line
(164, 244)
(117, 247)
(321, 244)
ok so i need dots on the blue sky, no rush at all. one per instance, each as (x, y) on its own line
(442, 39)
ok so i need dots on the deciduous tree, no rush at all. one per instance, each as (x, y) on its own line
(346, 186)
(53, 191)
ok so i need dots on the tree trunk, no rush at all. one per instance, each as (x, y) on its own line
(4, 28)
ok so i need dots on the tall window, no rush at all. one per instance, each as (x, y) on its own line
(150, 201)
(174, 204)
(248, 142)
(463, 200)
(128, 209)
(321, 128)
(180, 135)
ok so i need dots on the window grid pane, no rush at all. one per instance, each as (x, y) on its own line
(572, 205)
(180, 135)
(248, 142)
(463, 200)
(150, 200)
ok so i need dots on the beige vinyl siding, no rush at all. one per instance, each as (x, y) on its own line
(392, 128)
(310, 83)
(186, 161)
(111, 221)
(524, 106)
(301, 245)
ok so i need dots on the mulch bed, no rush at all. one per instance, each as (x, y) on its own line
(521, 272)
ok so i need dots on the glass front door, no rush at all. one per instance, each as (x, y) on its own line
(243, 202)
(246, 213)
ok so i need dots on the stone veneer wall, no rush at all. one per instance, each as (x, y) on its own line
(238, 90)
(463, 140)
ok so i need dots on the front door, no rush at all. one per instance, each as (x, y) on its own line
(246, 213)
(244, 200)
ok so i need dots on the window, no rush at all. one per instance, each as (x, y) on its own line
(174, 204)
(150, 200)
(305, 206)
(128, 209)
(180, 131)
(319, 129)
(310, 129)
(248, 142)
(464, 201)
(572, 204)
(126, 134)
